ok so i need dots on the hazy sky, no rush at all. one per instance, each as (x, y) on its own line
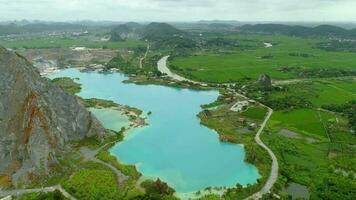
(180, 10)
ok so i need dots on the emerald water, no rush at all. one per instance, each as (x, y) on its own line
(174, 147)
(111, 119)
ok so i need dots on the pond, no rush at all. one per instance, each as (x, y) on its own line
(175, 147)
(111, 119)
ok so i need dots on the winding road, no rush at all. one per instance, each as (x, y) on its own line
(20, 192)
(162, 67)
(274, 169)
(89, 155)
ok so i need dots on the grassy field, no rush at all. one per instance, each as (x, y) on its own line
(313, 163)
(212, 66)
(322, 92)
(305, 121)
(255, 113)
(60, 42)
(93, 184)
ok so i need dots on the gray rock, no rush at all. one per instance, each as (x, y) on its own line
(265, 81)
(37, 119)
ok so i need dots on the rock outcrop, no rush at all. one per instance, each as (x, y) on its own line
(37, 120)
(265, 81)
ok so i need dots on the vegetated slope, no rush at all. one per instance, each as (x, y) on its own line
(322, 30)
(158, 31)
(153, 32)
(126, 31)
(37, 120)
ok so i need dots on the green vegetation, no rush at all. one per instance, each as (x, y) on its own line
(219, 65)
(312, 130)
(348, 110)
(89, 103)
(56, 195)
(64, 42)
(336, 188)
(325, 31)
(157, 190)
(160, 31)
(68, 85)
(306, 121)
(255, 113)
(128, 170)
(337, 45)
(237, 128)
(92, 184)
(304, 94)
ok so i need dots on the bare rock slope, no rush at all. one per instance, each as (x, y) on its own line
(37, 119)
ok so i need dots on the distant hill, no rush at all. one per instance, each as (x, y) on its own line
(220, 26)
(39, 28)
(158, 31)
(153, 31)
(126, 31)
(322, 30)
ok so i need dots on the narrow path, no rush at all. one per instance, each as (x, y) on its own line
(20, 192)
(162, 67)
(145, 56)
(89, 155)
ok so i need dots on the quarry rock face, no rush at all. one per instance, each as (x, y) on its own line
(37, 119)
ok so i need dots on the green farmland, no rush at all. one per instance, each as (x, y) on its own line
(212, 66)
(322, 92)
(62, 42)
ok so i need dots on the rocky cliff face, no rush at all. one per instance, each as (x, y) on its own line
(37, 119)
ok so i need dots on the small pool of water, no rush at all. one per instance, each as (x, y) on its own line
(174, 147)
(297, 191)
(111, 119)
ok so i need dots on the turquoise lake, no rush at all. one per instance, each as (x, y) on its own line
(111, 119)
(174, 147)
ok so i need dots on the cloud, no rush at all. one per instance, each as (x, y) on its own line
(179, 10)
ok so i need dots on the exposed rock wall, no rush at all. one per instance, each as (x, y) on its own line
(37, 119)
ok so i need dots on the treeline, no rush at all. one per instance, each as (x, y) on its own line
(336, 45)
(318, 72)
(348, 110)
(286, 103)
(300, 31)
(265, 96)
(38, 28)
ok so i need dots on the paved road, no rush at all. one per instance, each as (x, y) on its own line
(162, 67)
(20, 192)
(274, 169)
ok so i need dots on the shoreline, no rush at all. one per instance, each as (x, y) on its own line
(188, 195)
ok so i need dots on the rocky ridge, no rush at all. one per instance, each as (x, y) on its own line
(37, 120)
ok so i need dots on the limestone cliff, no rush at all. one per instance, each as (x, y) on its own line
(37, 120)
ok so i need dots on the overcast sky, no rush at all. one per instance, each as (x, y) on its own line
(179, 10)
